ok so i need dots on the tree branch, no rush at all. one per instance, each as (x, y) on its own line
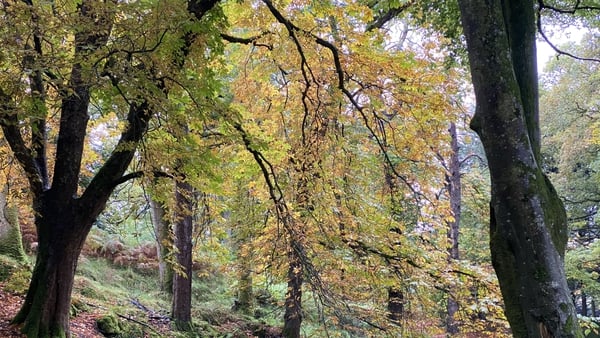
(74, 108)
(387, 16)
(10, 127)
(542, 6)
(111, 173)
(247, 41)
(577, 7)
(339, 70)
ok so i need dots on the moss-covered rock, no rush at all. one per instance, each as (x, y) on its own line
(109, 325)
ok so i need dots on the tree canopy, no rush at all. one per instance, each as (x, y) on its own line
(319, 145)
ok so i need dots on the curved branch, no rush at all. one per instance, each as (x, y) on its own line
(387, 16)
(540, 30)
(10, 127)
(577, 7)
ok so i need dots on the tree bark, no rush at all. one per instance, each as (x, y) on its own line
(527, 219)
(182, 279)
(395, 305)
(11, 243)
(293, 298)
(162, 233)
(62, 229)
(245, 292)
(454, 186)
(584, 304)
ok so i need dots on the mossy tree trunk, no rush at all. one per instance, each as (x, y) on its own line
(162, 232)
(11, 243)
(61, 234)
(528, 231)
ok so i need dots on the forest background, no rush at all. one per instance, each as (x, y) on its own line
(279, 168)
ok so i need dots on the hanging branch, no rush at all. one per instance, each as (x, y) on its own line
(541, 7)
(340, 73)
(284, 214)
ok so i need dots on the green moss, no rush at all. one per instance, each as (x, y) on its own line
(19, 280)
(571, 326)
(11, 243)
(541, 274)
(78, 306)
(108, 325)
(7, 266)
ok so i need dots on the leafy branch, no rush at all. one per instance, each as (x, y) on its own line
(341, 85)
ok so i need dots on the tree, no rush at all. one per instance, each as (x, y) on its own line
(528, 231)
(162, 231)
(102, 60)
(11, 243)
(321, 108)
(181, 309)
(454, 186)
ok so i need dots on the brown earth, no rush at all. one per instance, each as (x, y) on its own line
(82, 326)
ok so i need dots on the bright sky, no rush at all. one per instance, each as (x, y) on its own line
(545, 52)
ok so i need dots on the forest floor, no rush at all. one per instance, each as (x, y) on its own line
(82, 326)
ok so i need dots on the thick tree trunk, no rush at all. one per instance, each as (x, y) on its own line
(182, 280)
(293, 298)
(162, 234)
(61, 234)
(527, 219)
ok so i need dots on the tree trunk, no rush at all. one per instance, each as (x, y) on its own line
(61, 234)
(527, 219)
(245, 293)
(162, 234)
(395, 305)
(584, 305)
(453, 184)
(11, 243)
(293, 298)
(182, 279)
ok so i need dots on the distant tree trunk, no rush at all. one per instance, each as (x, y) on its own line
(395, 304)
(244, 220)
(528, 228)
(245, 293)
(11, 243)
(584, 305)
(182, 279)
(162, 232)
(593, 308)
(395, 299)
(306, 161)
(293, 298)
(453, 183)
